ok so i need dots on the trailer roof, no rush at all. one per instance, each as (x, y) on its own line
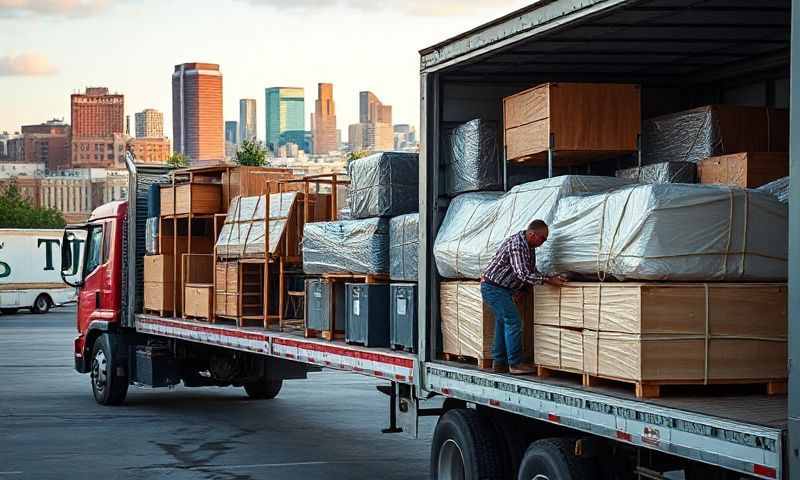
(647, 41)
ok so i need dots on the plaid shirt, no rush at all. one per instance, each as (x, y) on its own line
(514, 264)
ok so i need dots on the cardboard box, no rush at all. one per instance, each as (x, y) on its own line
(569, 112)
(159, 269)
(746, 170)
(159, 297)
(197, 300)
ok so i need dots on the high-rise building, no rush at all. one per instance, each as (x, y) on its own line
(247, 119)
(284, 111)
(149, 123)
(197, 122)
(376, 121)
(232, 132)
(324, 120)
(96, 113)
(231, 138)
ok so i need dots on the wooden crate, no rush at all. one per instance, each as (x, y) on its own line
(586, 120)
(197, 300)
(666, 308)
(655, 334)
(746, 170)
(158, 297)
(195, 198)
(468, 323)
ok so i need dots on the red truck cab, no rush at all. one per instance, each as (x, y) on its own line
(98, 276)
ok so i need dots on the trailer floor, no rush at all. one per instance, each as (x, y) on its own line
(741, 403)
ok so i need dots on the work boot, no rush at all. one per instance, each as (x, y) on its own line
(499, 367)
(522, 368)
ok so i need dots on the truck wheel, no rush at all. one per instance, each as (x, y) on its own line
(264, 389)
(108, 386)
(41, 305)
(554, 459)
(9, 311)
(464, 448)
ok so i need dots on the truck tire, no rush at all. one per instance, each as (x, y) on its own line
(41, 304)
(464, 447)
(9, 311)
(108, 386)
(554, 459)
(264, 389)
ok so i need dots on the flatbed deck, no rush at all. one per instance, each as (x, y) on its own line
(741, 432)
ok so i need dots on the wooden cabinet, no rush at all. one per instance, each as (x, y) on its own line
(746, 170)
(195, 198)
(197, 300)
(585, 121)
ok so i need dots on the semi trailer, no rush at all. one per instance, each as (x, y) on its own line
(682, 53)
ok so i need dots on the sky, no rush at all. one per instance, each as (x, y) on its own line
(52, 48)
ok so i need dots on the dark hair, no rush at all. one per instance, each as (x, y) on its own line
(537, 226)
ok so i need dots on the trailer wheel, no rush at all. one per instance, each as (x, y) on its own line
(41, 305)
(554, 459)
(263, 389)
(108, 386)
(464, 448)
(9, 311)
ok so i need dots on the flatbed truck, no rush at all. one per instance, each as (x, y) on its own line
(683, 53)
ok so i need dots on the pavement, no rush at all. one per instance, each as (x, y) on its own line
(327, 426)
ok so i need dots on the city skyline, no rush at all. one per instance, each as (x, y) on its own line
(43, 69)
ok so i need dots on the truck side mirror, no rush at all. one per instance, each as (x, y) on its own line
(71, 254)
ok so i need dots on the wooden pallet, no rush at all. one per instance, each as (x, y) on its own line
(357, 278)
(160, 313)
(652, 388)
(198, 318)
(401, 348)
(483, 363)
(324, 334)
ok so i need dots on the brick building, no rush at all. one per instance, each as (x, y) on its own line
(96, 113)
(197, 122)
(99, 152)
(150, 150)
(29, 187)
(46, 143)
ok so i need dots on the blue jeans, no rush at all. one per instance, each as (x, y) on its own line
(507, 348)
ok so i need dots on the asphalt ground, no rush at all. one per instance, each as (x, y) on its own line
(328, 426)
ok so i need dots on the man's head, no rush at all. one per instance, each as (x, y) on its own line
(536, 233)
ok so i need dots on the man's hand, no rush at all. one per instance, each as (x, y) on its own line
(557, 280)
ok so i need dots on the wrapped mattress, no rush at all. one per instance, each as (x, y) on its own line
(778, 188)
(347, 246)
(664, 172)
(403, 247)
(242, 234)
(477, 223)
(673, 232)
(384, 184)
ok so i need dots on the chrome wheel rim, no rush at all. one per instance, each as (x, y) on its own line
(100, 371)
(450, 464)
(41, 303)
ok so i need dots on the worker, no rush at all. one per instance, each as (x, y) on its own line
(503, 283)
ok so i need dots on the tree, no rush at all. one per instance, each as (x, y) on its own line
(251, 153)
(17, 212)
(356, 155)
(178, 160)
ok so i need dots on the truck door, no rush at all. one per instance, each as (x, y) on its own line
(90, 298)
